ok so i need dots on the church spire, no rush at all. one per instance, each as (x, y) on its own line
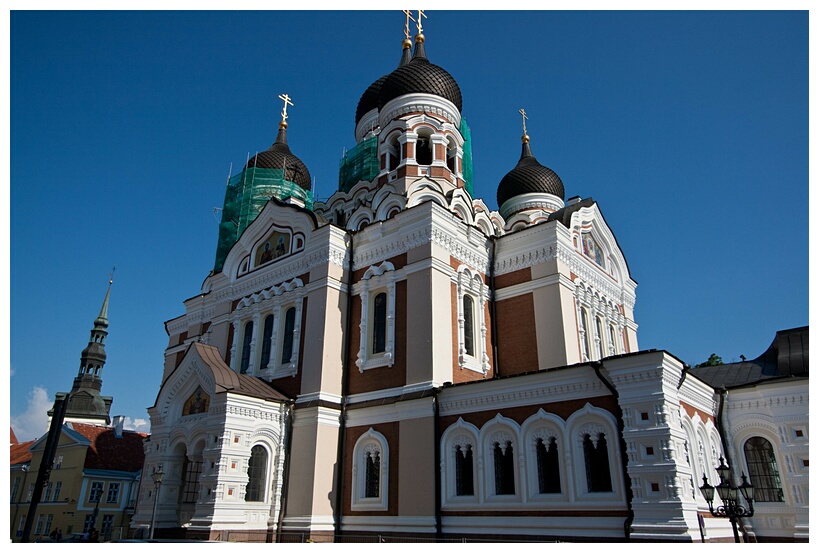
(85, 404)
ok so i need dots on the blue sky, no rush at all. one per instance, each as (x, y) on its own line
(690, 129)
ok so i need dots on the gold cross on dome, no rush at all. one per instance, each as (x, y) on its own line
(406, 25)
(284, 97)
(523, 113)
(421, 15)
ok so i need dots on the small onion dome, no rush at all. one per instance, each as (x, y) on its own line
(369, 100)
(528, 177)
(277, 155)
(420, 76)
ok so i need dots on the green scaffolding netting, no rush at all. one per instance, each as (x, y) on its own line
(360, 163)
(467, 159)
(247, 193)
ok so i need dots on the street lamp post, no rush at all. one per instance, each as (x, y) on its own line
(156, 475)
(729, 495)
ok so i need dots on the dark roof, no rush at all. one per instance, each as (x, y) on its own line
(564, 215)
(20, 453)
(369, 100)
(107, 452)
(228, 380)
(420, 76)
(787, 357)
(279, 156)
(529, 176)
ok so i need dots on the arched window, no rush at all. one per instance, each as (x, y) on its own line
(612, 340)
(256, 474)
(248, 337)
(504, 469)
(379, 323)
(370, 472)
(596, 456)
(289, 327)
(267, 338)
(548, 466)
(584, 321)
(372, 476)
(423, 150)
(469, 326)
(464, 482)
(762, 469)
(600, 354)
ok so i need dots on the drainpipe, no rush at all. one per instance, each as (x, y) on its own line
(597, 365)
(288, 441)
(437, 448)
(345, 379)
(492, 308)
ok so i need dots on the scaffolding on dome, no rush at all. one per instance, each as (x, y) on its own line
(467, 156)
(246, 195)
(359, 164)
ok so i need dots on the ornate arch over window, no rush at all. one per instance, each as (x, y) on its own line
(458, 464)
(370, 472)
(472, 293)
(377, 292)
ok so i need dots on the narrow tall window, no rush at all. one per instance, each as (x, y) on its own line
(372, 473)
(107, 525)
(584, 321)
(598, 477)
(504, 469)
(289, 328)
(762, 469)
(47, 528)
(88, 525)
(57, 487)
(256, 474)
(548, 466)
(464, 484)
(248, 337)
(380, 323)
(38, 528)
(96, 492)
(423, 151)
(14, 487)
(612, 339)
(267, 338)
(600, 349)
(469, 327)
(190, 484)
(113, 492)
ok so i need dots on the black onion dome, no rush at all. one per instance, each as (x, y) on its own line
(528, 177)
(369, 100)
(278, 155)
(420, 76)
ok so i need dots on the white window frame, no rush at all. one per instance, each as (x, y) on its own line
(370, 441)
(500, 429)
(470, 283)
(544, 426)
(274, 301)
(376, 280)
(116, 488)
(459, 434)
(38, 526)
(92, 488)
(57, 488)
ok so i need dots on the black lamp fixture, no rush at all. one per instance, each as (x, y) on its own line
(157, 476)
(729, 495)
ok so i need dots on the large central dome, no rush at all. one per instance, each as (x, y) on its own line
(420, 76)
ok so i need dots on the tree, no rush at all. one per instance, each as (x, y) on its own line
(713, 361)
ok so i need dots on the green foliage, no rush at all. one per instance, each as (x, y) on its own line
(713, 361)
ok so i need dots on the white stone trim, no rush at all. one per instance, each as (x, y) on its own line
(376, 280)
(368, 444)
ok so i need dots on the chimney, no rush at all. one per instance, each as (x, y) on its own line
(119, 420)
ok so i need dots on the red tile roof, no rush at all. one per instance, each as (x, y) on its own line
(107, 452)
(20, 453)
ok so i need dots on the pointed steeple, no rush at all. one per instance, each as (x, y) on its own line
(85, 403)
